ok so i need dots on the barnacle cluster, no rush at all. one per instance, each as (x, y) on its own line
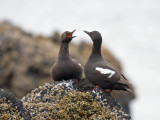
(52, 102)
(81, 105)
(11, 107)
(7, 111)
(60, 102)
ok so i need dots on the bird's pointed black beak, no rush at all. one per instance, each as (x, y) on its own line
(73, 37)
(87, 32)
(72, 33)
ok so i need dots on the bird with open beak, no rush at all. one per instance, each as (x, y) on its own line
(66, 67)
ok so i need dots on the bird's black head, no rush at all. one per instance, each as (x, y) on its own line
(95, 36)
(67, 36)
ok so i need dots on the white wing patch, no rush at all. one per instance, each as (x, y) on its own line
(80, 64)
(106, 71)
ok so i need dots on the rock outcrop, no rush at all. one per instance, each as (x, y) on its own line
(64, 100)
(69, 100)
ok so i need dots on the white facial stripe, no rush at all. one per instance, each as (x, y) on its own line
(106, 71)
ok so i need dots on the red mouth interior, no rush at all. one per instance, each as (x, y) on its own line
(70, 35)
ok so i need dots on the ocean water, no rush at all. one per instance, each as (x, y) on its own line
(130, 29)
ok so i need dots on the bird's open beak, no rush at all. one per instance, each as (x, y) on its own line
(70, 35)
(87, 32)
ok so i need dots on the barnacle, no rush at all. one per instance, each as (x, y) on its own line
(57, 103)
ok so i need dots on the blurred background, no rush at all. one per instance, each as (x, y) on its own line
(29, 44)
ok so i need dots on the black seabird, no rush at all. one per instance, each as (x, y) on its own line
(102, 73)
(65, 67)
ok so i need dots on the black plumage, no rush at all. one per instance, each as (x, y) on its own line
(65, 67)
(100, 72)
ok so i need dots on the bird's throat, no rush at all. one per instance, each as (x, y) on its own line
(96, 51)
(64, 50)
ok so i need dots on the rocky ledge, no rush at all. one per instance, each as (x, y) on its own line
(65, 100)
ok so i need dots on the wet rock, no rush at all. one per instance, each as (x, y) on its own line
(72, 100)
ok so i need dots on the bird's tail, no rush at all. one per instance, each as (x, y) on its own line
(127, 85)
(130, 89)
